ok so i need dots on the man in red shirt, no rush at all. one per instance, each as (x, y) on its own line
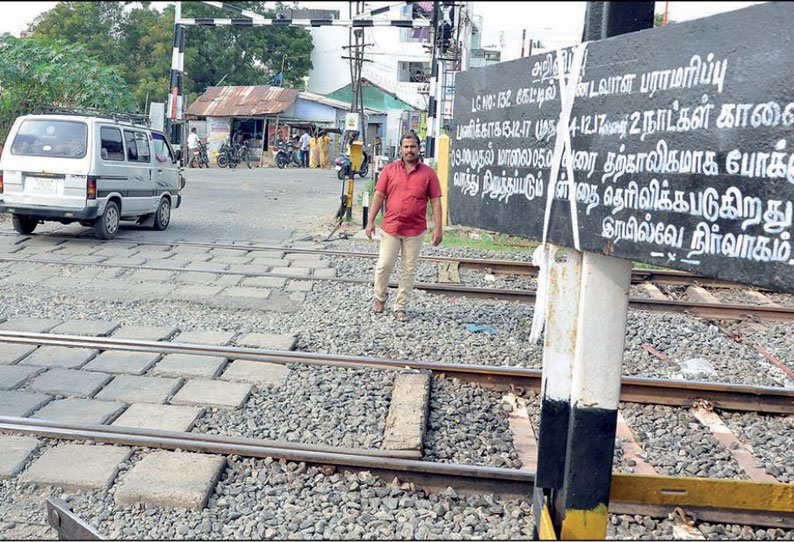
(407, 185)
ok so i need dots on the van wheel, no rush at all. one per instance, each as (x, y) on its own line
(163, 215)
(24, 224)
(107, 225)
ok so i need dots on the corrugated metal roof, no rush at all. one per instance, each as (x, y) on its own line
(338, 104)
(246, 101)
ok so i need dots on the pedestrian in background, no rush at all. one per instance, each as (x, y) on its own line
(305, 143)
(407, 185)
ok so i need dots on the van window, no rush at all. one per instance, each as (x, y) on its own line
(137, 146)
(162, 151)
(112, 147)
(54, 138)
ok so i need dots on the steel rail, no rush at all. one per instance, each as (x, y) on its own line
(437, 475)
(707, 310)
(500, 267)
(725, 396)
(430, 476)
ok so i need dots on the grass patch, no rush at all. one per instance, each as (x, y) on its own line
(482, 240)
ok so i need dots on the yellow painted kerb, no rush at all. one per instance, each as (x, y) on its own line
(443, 175)
(585, 524)
(545, 525)
(732, 494)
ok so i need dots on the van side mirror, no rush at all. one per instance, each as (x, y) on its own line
(178, 154)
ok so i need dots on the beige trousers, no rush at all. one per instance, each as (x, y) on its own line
(390, 247)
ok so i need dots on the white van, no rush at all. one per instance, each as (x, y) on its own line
(93, 170)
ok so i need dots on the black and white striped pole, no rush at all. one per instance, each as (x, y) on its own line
(559, 345)
(175, 91)
(432, 104)
(579, 509)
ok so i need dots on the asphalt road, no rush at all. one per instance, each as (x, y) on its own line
(244, 204)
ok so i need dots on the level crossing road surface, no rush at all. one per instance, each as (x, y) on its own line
(260, 203)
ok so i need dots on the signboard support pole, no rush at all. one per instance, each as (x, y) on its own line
(558, 356)
(595, 394)
(443, 176)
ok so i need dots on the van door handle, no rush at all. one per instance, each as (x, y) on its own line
(159, 171)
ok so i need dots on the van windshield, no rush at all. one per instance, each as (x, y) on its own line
(54, 138)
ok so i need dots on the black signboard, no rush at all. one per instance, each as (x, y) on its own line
(680, 141)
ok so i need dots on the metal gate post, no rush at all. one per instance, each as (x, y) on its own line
(558, 356)
(595, 394)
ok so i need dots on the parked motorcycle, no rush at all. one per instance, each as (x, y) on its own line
(285, 155)
(231, 155)
(227, 157)
(343, 167)
(200, 156)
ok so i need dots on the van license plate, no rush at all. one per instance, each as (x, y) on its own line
(43, 186)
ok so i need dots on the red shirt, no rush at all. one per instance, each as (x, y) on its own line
(406, 197)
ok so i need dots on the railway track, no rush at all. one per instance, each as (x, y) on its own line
(662, 493)
(500, 267)
(634, 389)
(707, 310)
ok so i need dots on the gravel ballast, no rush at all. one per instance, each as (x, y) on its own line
(316, 405)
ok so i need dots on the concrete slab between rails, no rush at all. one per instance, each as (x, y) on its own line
(31, 325)
(269, 341)
(14, 453)
(310, 264)
(407, 417)
(13, 353)
(264, 282)
(139, 389)
(270, 261)
(190, 365)
(13, 376)
(61, 357)
(277, 301)
(176, 480)
(162, 417)
(70, 382)
(228, 252)
(247, 293)
(214, 393)
(299, 286)
(93, 328)
(328, 273)
(255, 372)
(77, 466)
(153, 275)
(205, 337)
(121, 362)
(299, 272)
(21, 403)
(76, 410)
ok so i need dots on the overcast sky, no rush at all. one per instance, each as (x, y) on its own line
(556, 24)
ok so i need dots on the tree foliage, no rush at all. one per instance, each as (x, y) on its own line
(138, 40)
(33, 75)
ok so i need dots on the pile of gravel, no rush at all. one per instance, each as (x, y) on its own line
(267, 499)
(468, 425)
(315, 405)
(676, 444)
